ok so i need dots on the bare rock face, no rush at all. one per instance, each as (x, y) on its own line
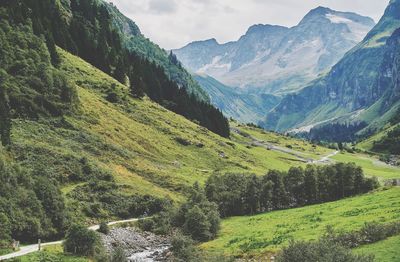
(138, 246)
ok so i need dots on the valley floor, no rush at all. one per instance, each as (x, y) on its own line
(267, 233)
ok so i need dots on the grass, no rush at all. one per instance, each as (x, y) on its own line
(137, 141)
(303, 147)
(4, 251)
(52, 253)
(386, 251)
(371, 165)
(265, 233)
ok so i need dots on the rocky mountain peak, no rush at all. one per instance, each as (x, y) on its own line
(260, 28)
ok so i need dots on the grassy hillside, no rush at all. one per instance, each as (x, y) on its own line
(265, 233)
(371, 165)
(387, 250)
(146, 148)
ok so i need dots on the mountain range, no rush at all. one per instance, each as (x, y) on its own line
(361, 88)
(276, 59)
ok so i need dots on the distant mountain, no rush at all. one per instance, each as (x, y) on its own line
(246, 108)
(275, 59)
(362, 87)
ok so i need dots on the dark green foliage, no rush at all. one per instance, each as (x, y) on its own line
(118, 255)
(82, 241)
(149, 78)
(102, 199)
(396, 118)
(31, 206)
(91, 33)
(103, 228)
(29, 82)
(5, 119)
(322, 251)
(368, 234)
(336, 132)
(197, 218)
(183, 248)
(390, 143)
(237, 194)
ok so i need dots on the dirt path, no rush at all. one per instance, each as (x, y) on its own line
(299, 155)
(35, 247)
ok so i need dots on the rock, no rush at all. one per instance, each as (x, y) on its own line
(137, 245)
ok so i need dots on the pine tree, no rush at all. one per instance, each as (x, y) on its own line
(5, 118)
(310, 184)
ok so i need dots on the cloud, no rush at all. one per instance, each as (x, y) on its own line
(162, 6)
(174, 23)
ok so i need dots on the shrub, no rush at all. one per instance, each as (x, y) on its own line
(118, 255)
(104, 228)
(82, 241)
(322, 251)
(183, 248)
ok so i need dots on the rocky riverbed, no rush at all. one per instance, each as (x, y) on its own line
(138, 246)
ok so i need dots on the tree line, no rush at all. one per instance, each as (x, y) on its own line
(336, 132)
(239, 194)
(86, 28)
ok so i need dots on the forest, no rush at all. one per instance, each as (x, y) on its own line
(85, 28)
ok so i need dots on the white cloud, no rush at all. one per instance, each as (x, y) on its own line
(174, 23)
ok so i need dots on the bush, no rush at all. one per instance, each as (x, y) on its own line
(321, 251)
(82, 241)
(369, 233)
(118, 255)
(183, 248)
(104, 228)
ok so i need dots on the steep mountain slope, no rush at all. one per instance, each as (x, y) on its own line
(93, 30)
(275, 59)
(246, 108)
(119, 159)
(357, 89)
(141, 45)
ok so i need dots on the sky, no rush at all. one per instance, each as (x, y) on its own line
(175, 23)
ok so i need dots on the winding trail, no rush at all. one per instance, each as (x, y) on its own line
(300, 156)
(35, 247)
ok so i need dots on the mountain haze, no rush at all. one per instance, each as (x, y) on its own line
(275, 59)
(246, 108)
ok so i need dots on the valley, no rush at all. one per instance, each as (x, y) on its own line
(101, 126)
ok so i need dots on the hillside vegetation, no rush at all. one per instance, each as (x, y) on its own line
(266, 233)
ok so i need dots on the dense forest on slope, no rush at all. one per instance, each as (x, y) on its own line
(87, 29)
(336, 132)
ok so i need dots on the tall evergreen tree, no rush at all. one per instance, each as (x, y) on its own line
(5, 118)
(311, 184)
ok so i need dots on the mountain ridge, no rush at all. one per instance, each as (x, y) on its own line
(272, 53)
(351, 88)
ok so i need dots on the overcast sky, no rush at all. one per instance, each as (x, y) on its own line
(174, 23)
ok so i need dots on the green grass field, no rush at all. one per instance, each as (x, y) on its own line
(371, 165)
(384, 251)
(52, 253)
(264, 233)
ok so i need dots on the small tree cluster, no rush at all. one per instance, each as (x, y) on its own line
(238, 194)
(82, 241)
(197, 218)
